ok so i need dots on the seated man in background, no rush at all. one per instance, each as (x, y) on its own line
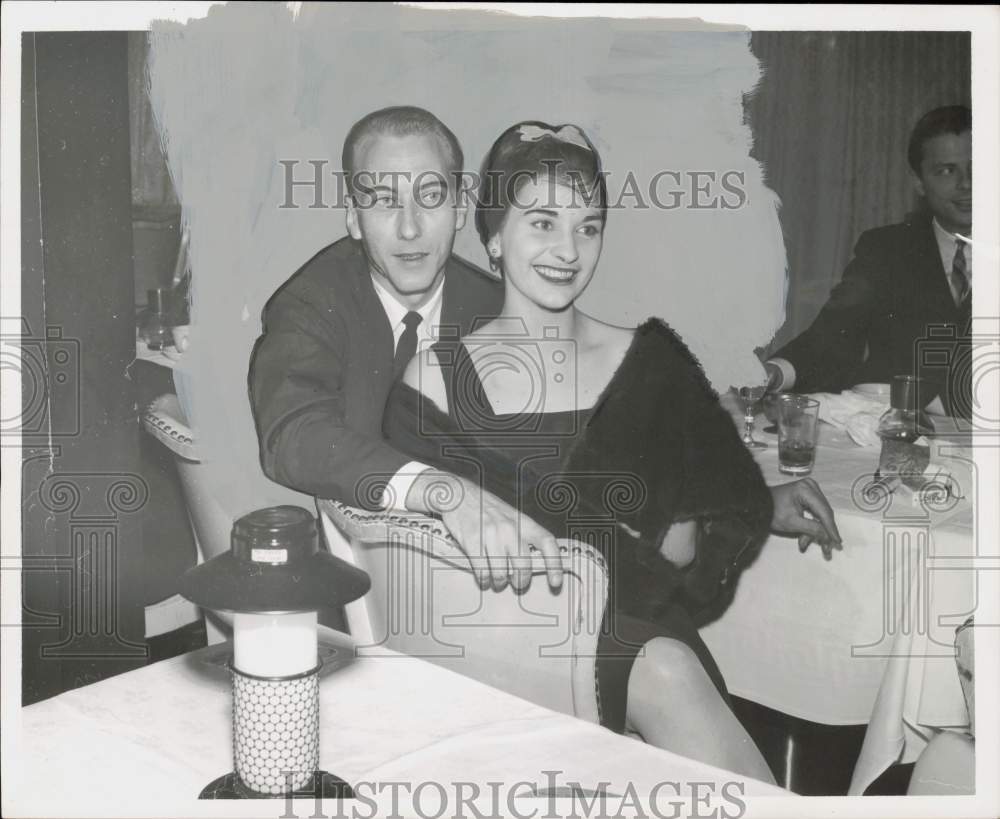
(907, 282)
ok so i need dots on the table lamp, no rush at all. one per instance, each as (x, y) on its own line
(273, 580)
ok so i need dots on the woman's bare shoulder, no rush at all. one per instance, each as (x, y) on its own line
(610, 336)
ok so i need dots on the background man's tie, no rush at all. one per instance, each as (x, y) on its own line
(960, 274)
(407, 346)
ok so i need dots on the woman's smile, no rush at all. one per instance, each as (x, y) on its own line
(549, 253)
(556, 275)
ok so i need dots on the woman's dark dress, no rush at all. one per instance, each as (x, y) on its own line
(656, 448)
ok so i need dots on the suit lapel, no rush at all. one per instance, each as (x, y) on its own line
(376, 332)
(929, 278)
(453, 318)
(465, 302)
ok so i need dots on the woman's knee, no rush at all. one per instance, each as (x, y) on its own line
(669, 686)
(665, 662)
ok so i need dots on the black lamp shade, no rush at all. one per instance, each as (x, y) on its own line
(274, 566)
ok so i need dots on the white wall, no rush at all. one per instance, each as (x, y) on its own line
(250, 85)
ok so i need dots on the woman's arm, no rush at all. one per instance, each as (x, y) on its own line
(680, 542)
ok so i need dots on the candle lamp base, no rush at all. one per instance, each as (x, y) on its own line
(322, 785)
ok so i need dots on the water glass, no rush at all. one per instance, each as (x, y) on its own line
(798, 420)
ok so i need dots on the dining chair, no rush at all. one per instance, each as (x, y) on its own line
(540, 645)
(164, 420)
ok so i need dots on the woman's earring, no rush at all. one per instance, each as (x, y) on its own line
(494, 260)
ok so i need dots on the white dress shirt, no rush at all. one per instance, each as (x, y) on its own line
(946, 243)
(430, 313)
(395, 492)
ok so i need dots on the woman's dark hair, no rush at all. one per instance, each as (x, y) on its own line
(951, 119)
(533, 150)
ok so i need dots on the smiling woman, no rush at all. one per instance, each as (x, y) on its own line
(606, 434)
(541, 213)
(548, 254)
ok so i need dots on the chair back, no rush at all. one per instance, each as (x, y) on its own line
(164, 420)
(540, 645)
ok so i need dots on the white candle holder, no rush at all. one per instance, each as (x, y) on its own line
(276, 731)
(273, 580)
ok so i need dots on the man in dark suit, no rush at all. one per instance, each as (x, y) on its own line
(341, 329)
(907, 290)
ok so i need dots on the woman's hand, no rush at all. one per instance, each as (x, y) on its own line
(792, 502)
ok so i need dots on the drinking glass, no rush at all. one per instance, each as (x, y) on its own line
(156, 319)
(750, 398)
(798, 419)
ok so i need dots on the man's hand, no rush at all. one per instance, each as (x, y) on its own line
(775, 378)
(792, 502)
(496, 538)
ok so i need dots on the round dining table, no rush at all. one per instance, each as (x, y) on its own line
(866, 637)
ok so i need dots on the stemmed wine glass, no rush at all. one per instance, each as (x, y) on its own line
(750, 398)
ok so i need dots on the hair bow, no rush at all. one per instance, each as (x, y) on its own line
(567, 133)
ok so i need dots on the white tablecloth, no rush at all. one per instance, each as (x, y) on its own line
(868, 636)
(145, 743)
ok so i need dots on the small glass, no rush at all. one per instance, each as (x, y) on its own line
(750, 398)
(157, 320)
(798, 421)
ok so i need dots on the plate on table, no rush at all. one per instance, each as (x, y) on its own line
(876, 392)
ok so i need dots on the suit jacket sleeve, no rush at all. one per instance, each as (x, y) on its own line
(829, 354)
(297, 393)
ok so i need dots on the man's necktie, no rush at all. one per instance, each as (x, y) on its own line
(407, 346)
(960, 274)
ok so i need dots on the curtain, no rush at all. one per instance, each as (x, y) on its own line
(831, 119)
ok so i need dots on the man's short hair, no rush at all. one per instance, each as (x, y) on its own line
(399, 121)
(951, 119)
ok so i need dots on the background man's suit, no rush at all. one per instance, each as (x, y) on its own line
(893, 294)
(321, 372)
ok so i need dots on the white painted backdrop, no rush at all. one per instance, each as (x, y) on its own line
(250, 85)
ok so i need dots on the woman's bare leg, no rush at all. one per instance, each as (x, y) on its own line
(673, 704)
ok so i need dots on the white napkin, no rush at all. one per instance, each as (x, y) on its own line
(854, 413)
